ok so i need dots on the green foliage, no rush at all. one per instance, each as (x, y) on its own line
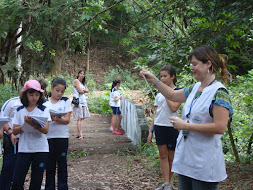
(242, 124)
(90, 81)
(7, 92)
(151, 152)
(99, 103)
(128, 80)
(76, 154)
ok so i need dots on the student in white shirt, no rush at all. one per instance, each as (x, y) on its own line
(10, 152)
(114, 102)
(33, 146)
(58, 135)
(9, 140)
(165, 134)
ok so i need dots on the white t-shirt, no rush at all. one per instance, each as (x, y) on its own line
(31, 142)
(163, 112)
(10, 106)
(82, 97)
(114, 93)
(58, 130)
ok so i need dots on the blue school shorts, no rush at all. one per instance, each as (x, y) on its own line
(116, 110)
(166, 135)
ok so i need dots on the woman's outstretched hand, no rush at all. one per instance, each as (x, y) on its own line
(149, 76)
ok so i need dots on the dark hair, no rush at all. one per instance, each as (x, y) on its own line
(83, 81)
(24, 99)
(42, 82)
(171, 70)
(207, 53)
(114, 83)
(57, 81)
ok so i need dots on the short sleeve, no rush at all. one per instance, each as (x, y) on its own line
(68, 107)
(7, 108)
(156, 99)
(222, 98)
(116, 93)
(17, 119)
(187, 90)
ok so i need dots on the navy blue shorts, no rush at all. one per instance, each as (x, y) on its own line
(116, 110)
(166, 135)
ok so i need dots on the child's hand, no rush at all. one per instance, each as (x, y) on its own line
(14, 139)
(55, 118)
(150, 136)
(32, 122)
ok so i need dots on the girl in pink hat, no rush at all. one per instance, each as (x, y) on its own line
(33, 145)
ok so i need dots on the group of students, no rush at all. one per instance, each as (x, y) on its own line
(27, 143)
(46, 147)
(195, 153)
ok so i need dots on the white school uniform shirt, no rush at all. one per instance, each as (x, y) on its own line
(58, 130)
(200, 156)
(163, 112)
(31, 142)
(114, 93)
(9, 108)
(82, 97)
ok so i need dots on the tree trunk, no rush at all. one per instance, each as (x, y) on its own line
(249, 149)
(88, 54)
(58, 60)
(232, 141)
(18, 54)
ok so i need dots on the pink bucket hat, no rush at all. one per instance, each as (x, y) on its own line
(32, 84)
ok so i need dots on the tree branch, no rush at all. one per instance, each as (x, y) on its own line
(88, 21)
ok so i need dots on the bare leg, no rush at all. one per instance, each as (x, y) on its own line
(114, 122)
(79, 128)
(119, 121)
(164, 162)
(171, 157)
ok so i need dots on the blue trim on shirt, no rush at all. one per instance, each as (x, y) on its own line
(64, 98)
(20, 108)
(46, 100)
(223, 103)
(8, 101)
(42, 107)
(186, 92)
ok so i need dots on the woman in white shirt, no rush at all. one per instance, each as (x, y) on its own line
(199, 160)
(80, 111)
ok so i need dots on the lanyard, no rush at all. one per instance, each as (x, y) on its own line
(185, 133)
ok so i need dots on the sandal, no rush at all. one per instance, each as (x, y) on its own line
(80, 138)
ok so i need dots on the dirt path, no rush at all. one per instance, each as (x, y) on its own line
(106, 166)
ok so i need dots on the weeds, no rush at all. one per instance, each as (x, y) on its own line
(75, 154)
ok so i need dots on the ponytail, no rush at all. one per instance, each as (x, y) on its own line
(114, 83)
(223, 66)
